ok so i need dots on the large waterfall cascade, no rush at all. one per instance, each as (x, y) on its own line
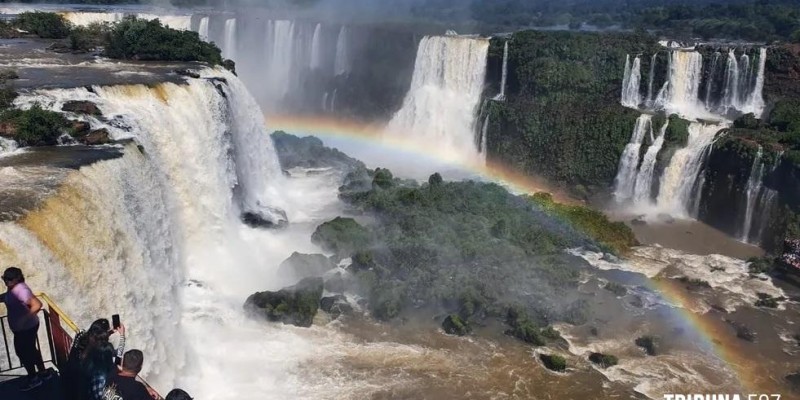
(441, 105)
(733, 86)
(163, 223)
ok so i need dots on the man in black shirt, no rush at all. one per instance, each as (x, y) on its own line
(124, 381)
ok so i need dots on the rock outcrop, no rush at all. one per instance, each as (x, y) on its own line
(295, 305)
(300, 266)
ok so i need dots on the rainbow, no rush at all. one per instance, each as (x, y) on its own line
(712, 333)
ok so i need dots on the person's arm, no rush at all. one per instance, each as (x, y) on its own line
(121, 346)
(34, 304)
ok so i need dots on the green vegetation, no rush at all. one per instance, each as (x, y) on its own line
(90, 37)
(136, 39)
(341, 235)
(454, 325)
(760, 265)
(472, 249)
(33, 127)
(43, 24)
(562, 119)
(603, 360)
(615, 236)
(554, 362)
(296, 305)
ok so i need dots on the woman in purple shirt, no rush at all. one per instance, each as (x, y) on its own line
(23, 308)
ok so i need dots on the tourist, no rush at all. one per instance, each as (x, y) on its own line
(23, 308)
(124, 382)
(178, 394)
(75, 380)
(96, 368)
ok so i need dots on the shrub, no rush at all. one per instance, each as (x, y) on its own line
(383, 178)
(603, 360)
(137, 39)
(35, 126)
(7, 96)
(43, 24)
(454, 325)
(342, 236)
(89, 37)
(554, 362)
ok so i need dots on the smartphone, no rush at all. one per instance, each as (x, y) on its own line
(115, 321)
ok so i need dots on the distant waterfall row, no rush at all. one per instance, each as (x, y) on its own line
(725, 85)
(288, 65)
(694, 87)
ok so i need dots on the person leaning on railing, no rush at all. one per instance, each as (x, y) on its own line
(23, 320)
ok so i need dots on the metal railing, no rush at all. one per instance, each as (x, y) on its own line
(59, 331)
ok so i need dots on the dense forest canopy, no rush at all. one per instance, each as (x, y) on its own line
(707, 19)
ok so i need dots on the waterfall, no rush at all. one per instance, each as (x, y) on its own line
(316, 48)
(484, 139)
(502, 95)
(710, 83)
(679, 95)
(445, 90)
(178, 22)
(342, 62)
(155, 235)
(753, 191)
(229, 48)
(650, 78)
(280, 56)
(644, 179)
(679, 178)
(333, 101)
(88, 18)
(7, 145)
(203, 29)
(628, 163)
(731, 92)
(755, 102)
(630, 83)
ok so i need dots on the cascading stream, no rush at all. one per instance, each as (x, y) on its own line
(202, 30)
(644, 179)
(229, 48)
(440, 107)
(502, 95)
(342, 61)
(629, 162)
(631, 82)
(678, 179)
(753, 191)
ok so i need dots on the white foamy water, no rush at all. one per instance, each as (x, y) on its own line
(440, 107)
(724, 274)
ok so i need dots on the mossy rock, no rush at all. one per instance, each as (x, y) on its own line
(342, 236)
(650, 344)
(295, 305)
(454, 325)
(603, 360)
(616, 288)
(677, 134)
(554, 362)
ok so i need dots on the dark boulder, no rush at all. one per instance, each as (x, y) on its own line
(454, 325)
(300, 266)
(188, 73)
(295, 305)
(554, 362)
(81, 107)
(650, 344)
(603, 360)
(230, 65)
(79, 128)
(794, 381)
(96, 137)
(335, 305)
(268, 218)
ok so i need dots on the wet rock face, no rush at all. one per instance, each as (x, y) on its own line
(335, 305)
(96, 137)
(296, 305)
(81, 107)
(271, 218)
(8, 130)
(650, 344)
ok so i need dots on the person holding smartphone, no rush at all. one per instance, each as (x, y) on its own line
(23, 308)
